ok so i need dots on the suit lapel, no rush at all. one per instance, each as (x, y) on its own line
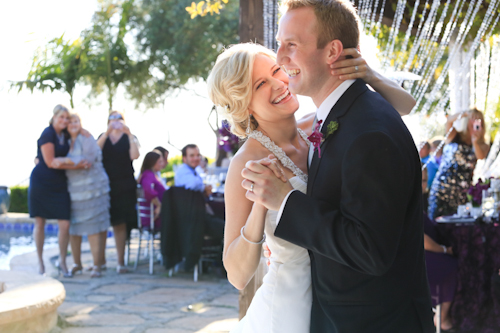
(338, 110)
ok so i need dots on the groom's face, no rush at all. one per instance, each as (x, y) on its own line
(305, 64)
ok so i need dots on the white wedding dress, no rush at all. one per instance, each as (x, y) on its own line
(283, 303)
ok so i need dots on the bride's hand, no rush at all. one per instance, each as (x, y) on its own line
(352, 66)
(272, 163)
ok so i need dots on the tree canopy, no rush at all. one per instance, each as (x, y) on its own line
(176, 48)
(57, 66)
(150, 47)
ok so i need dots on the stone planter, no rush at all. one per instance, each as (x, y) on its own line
(4, 199)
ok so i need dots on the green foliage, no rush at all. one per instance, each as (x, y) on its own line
(19, 199)
(107, 62)
(176, 48)
(57, 66)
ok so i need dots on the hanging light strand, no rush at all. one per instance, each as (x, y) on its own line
(464, 29)
(404, 47)
(445, 41)
(477, 40)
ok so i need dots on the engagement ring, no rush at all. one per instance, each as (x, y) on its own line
(251, 188)
(356, 68)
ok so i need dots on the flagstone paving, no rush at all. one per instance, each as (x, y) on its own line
(138, 302)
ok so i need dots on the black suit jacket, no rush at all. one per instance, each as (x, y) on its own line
(182, 226)
(361, 221)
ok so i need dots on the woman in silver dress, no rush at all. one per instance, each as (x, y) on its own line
(89, 192)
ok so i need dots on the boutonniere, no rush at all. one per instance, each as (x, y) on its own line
(316, 137)
(331, 128)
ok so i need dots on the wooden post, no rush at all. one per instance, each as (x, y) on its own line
(251, 21)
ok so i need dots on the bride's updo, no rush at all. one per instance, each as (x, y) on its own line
(230, 84)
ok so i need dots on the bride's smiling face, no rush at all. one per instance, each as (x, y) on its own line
(271, 99)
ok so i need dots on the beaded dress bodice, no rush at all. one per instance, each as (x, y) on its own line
(279, 153)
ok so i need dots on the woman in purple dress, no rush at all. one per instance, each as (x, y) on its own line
(442, 268)
(151, 185)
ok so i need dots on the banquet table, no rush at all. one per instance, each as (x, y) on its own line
(216, 202)
(476, 306)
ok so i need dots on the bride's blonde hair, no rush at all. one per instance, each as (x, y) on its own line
(230, 84)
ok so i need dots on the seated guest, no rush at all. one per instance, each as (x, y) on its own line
(202, 168)
(442, 268)
(187, 177)
(424, 152)
(433, 162)
(164, 153)
(152, 164)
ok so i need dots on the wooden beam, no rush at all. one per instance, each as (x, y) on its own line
(251, 21)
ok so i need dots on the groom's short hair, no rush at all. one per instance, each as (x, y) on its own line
(337, 19)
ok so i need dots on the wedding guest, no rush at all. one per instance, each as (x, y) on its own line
(464, 146)
(152, 186)
(187, 177)
(442, 268)
(48, 196)
(164, 153)
(119, 148)
(433, 162)
(425, 150)
(201, 169)
(89, 192)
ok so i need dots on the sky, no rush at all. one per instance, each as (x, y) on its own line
(26, 25)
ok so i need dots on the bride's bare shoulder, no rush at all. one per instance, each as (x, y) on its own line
(250, 150)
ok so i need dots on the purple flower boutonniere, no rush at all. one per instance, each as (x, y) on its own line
(316, 137)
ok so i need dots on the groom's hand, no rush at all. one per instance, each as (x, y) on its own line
(267, 190)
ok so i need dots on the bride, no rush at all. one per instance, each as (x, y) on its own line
(252, 90)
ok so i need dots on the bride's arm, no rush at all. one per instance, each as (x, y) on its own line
(399, 98)
(240, 257)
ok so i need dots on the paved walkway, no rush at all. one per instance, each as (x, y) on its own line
(138, 302)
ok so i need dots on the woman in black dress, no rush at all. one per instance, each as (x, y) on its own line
(464, 147)
(119, 149)
(48, 191)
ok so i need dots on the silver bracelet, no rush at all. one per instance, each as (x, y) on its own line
(444, 249)
(256, 243)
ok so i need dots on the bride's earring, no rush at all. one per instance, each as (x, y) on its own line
(248, 126)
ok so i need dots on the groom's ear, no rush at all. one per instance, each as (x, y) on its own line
(335, 48)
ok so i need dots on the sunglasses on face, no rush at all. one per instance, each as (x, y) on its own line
(115, 116)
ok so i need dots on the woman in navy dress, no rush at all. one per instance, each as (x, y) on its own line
(48, 191)
(119, 148)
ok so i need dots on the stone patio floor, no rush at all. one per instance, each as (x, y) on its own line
(137, 302)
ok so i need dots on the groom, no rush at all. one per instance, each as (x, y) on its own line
(361, 219)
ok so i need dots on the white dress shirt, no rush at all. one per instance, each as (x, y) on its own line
(321, 114)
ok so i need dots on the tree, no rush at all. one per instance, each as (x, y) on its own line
(107, 62)
(57, 66)
(175, 48)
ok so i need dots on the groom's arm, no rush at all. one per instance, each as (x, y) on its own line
(365, 232)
